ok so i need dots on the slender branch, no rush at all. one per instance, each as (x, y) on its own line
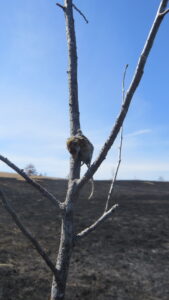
(116, 172)
(97, 223)
(36, 185)
(61, 6)
(28, 235)
(123, 84)
(79, 11)
(129, 95)
(120, 147)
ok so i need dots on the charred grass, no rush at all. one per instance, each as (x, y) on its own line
(126, 258)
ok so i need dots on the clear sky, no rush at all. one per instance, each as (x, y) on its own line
(34, 116)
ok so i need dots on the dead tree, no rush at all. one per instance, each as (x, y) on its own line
(68, 236)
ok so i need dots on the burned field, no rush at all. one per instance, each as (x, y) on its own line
(127, 257)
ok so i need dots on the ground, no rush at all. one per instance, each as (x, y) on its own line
(126, 258)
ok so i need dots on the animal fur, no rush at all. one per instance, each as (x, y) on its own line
(80, 147)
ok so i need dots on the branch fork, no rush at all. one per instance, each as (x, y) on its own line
(76, 8)
(162, 14)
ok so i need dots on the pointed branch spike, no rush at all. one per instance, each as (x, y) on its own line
(61, 6)
(79, 11)
(120, 147)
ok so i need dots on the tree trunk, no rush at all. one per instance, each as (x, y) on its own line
(66, 244)
(63, 259)
(67, 229)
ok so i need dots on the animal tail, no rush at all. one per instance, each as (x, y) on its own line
(92, 188)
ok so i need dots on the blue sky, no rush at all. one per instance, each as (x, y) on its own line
(34, 116)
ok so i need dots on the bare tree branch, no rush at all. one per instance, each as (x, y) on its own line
(72, 69)
(116, 172)
(74, 114)
(67, 227)
(61, 6)
(129, 95)
(36, 185)
(123, 84)
(28, 235)
(79, 11)
(120, 147)
(97, 223)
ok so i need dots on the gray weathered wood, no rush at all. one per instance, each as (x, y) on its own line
(67, 228)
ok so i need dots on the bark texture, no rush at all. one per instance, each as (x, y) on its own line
(72, 69)
(67, 227)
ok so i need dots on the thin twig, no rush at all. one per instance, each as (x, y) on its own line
(61, 6)
(28, 235)
(120, 147)
(129, 95)
(123, 84)
(36, 185)
(79, 11)
(97, 223)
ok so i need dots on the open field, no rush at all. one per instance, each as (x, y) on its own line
(127, 258)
